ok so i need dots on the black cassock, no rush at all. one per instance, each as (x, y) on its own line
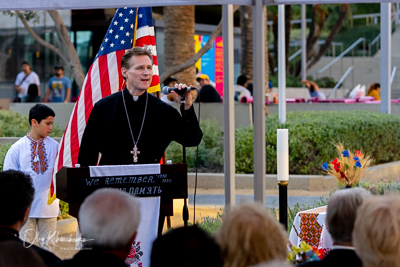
(107, 130)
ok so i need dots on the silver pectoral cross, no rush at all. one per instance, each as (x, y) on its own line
(135, 153)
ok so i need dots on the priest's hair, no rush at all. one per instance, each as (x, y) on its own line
(110, 217)
(341, 213)
(250, 235)
(135, 51)
(376, 233)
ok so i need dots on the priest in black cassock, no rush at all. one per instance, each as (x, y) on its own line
(133, 126)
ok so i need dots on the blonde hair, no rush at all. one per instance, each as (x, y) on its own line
(376, 235)
(250, 235)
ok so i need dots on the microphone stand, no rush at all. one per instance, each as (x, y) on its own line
(185, 211)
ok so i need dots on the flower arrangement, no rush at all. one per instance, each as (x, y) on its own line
(348, 168)
(304, 253)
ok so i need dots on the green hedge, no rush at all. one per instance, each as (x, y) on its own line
(311, 137)
(13, 124)
(312, 134)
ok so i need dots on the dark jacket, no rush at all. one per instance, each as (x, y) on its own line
(7, 234)
(108, 132)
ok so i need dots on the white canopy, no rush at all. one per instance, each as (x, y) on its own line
(97, 4)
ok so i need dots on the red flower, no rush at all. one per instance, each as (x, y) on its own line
(342, 175)
(358, 154)
(335, 162)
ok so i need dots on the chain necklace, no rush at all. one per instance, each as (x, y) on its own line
(135, 150)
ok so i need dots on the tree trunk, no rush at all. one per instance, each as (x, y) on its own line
(73, 60)
(246, 38)
(246, 52)
(334, 31)
(191, 61)
(179, 40)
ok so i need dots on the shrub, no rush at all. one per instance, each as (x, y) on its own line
(3, 151)
(13, 124)
(312, 134)
(211, 148)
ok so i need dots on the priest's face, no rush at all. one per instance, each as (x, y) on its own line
(139, 75)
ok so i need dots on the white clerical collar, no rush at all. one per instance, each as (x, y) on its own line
(135, 98)
(342, 247)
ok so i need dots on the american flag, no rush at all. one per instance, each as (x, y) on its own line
(130, 27)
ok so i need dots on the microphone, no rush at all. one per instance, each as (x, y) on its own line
(166, 90)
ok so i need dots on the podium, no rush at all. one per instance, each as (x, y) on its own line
(75, 184)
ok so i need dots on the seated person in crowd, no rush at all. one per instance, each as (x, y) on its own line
(250, 235)
(15, 254)
(16, 196)
(240, 88)
(207, 93)
(185, 247)
(340, 217)
(108, 220)
(373, 90)
(313, 89)
(376, 233)
(33, 94)
(170, 82)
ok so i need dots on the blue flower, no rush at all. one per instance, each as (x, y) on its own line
(356, 158)
(325, 166)
(345, 153)
(358, 164)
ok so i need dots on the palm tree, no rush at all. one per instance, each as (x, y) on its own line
(179, 40)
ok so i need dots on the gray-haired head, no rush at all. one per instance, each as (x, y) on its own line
(342, 211)
(110, 217)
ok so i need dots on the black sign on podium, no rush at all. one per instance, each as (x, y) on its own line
(75, 184)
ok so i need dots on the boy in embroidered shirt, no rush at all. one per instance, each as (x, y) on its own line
(35, 154)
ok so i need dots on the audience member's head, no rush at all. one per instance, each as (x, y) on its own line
(250, 235)
(16, 196)
(170, 82)
(111, 218)
(203, 79)
(376, 233)
(341, 214)
(185, 247)
(15, 254)
(374, 86)
(242, 80)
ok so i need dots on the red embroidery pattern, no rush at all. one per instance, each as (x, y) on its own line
(134, 255)
(310, 229)
(38, 149)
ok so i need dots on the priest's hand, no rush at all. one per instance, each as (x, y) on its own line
(188, 95)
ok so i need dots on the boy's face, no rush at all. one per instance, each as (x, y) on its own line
(43, 128)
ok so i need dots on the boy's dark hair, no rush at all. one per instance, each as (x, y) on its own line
(185, 246)
(26, 63)
(40, 112)
(241, 80)
(16, 195)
